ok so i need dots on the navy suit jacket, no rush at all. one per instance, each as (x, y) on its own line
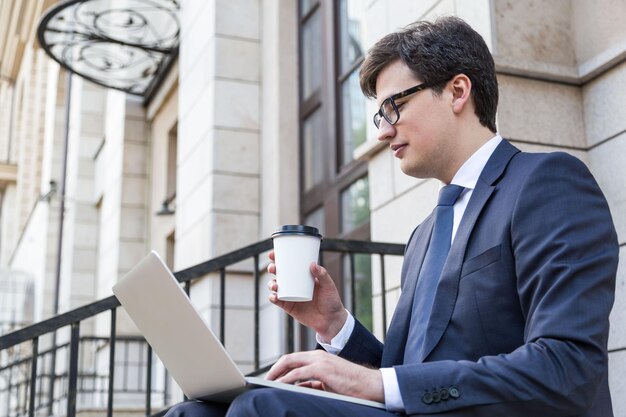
(520, 318)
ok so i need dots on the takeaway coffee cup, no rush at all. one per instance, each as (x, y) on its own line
(295, 247)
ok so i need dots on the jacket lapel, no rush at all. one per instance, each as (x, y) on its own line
(447, 289)
(395, 342)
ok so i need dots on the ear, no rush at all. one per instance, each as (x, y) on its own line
(461, 87)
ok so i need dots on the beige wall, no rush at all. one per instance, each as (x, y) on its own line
(219, 129)
(122, 193)
(218, 185)
(237, 109)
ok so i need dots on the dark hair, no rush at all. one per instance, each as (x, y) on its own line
(436, 52)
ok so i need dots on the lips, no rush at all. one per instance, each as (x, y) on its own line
(397, 149)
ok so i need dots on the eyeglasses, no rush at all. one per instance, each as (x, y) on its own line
(389, 109)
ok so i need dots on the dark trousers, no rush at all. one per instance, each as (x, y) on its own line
(268, 402)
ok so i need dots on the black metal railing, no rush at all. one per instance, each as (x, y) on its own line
(90, 366)
(92, 383)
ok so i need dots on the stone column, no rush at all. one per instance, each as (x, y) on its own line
(217, 197)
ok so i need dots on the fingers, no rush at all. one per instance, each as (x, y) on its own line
(271, 268)
(290, 363)
(321, 370)
(320, 273)
(273, 298)
(312, 384)
(272, 286)
(304, 373)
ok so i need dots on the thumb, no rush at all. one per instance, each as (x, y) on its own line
(320, 273)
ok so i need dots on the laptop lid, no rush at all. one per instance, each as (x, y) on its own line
(161, 310)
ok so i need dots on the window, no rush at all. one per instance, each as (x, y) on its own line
(358, 298)
(168, 205)
(313, 153)
(170, 247)
(172, 151)
(353, 118)
(316, 219)
(334, 187)
(355, 207)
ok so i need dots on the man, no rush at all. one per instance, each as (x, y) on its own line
(506, 287)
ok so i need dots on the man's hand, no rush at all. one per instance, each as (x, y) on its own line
(322, 370)
(325, 313)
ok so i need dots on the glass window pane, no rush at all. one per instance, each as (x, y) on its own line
(354, 117)
(316, 219)
(305, 6)
(311, 55)
(355, 205)
(362, 307)
(351, 26)
(312, 150)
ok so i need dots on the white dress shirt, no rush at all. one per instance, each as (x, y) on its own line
(467, 177)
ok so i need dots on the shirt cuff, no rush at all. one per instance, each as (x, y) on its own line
(393, 399)
(339, 341)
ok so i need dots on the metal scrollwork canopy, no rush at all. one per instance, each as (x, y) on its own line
(120, 44)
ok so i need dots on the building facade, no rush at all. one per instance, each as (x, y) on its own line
(259, 123)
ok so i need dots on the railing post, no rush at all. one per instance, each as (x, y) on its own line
(149, 381)
(112, 362)
(188, 291)
(53, 365)
(33, 378)
(256, 313)
(9, 386)
(223, 306)
(383, 294)
(185, 398)
(165, 388)
(352, 283)
(73, 372)
(290, 335)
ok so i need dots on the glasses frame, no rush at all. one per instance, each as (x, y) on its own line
(380, 114)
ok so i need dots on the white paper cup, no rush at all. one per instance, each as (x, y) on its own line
(295, 247)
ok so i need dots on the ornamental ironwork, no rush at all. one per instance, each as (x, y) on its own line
(120, 44)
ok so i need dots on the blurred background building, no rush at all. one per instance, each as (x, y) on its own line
(196, 128)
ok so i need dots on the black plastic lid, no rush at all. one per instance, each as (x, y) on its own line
(297, 229)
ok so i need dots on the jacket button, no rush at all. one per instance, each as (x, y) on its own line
(444, 394)
(436, 397)
(427, 398)
(454, 392)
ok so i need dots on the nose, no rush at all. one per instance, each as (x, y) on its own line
(386, 131)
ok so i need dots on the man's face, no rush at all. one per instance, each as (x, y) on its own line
(422, 138)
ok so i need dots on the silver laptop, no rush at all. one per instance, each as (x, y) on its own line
(185, 344)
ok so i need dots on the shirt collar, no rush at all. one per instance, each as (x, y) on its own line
(467, 175)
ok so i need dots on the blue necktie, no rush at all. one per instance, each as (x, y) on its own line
(431, 271)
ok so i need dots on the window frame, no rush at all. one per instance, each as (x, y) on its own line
(335, 176)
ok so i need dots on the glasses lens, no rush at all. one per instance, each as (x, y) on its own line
(389, 112)
(377, 120)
